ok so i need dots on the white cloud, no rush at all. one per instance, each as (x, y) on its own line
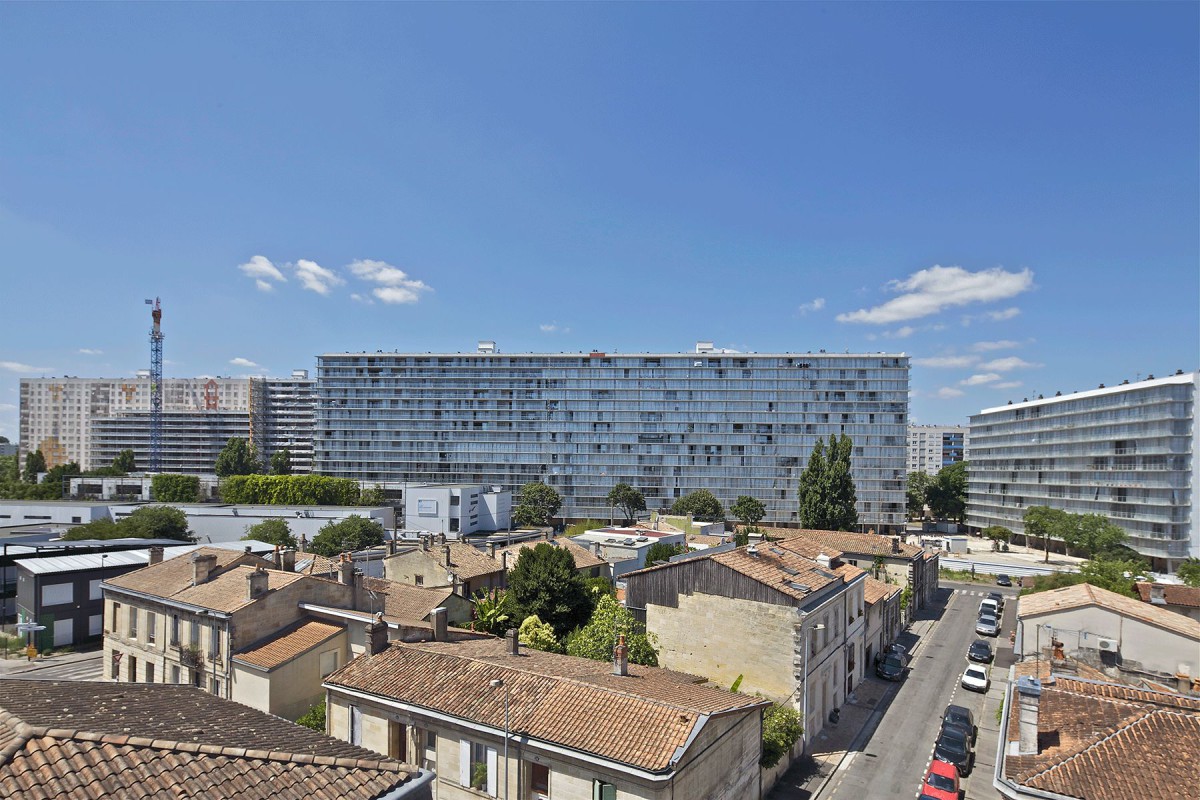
(358, 298)
(928, 291)
(553, 327)
(1002, 344)
(315, 278)
(1007, 385)
(941, 362)
(7, 407)
(813, 305)
(394, 284)
(263, 271)
(87, 351)
(947, 392)
(17, 366)
(1000, 316)
(243, 362)
(900, 333)
(979, 380)
(1007, 364)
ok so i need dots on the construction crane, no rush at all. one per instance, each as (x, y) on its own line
(156, 379)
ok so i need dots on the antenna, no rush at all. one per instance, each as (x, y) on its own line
(156, 365)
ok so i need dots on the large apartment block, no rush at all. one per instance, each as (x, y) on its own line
(90, 420)
(1127, 452)
(668, 424)
(931, 447)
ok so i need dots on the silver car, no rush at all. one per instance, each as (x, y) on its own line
(987, 626)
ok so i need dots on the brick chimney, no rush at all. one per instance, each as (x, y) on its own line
(438, 618)
(424, 542)
(620, 657)
(441, 538)
(446, 554)
(202, 567)
(156, 555)
(277, 558)
(303, 543)
(256, 583)
(1029, 691)
(895, 544)
(377, 635)
(392, 545)
(288, 557)
(596, 549)
(512, 642)
(346, 570)
(491, 546)
(1157, 594)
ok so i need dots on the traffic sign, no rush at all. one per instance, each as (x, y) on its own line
(30, 627)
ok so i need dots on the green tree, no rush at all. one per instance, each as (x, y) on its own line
(166, 487)
(828, 498)
(373, 497)
(539, 503)
(271, 531)
(290, 490)
(998, 534)
(1189, 571)
(314, 718)
(281, 462)
(491, 612)
(351, 534)
(1094, 534)
(947, 494)
(544, 582)
(103, 528)
(1116, 576)
(35, 462)
(57, 476)
(598, 637)
(702, 504)
(238, 457)
(916, 493)
(157, 522)
(628, 499)
(538, 635)
(781, 729)
(1044, 522)
(577, 528)
(660, 551)
(124, 462)
(748, 509)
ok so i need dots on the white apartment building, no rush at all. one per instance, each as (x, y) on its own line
(931, 447)
(1127, 452)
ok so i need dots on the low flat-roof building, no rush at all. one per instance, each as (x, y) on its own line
(625, 549)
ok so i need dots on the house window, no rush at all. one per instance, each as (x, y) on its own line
(477, 766)
(602, 790)
(355, 725)
(94, 592)
(133, 623)
(57, 594)
(132, 669)
(175, 631)
(430, 750)
(397, 740)
(116, 616)
(215, 687)
(149, 672)
(151, 627)
(419, 580)
(194, 638)
(175, 673)
(539, 782)
(214, 642)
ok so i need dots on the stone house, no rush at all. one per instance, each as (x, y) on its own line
(1171, 596)
(799, 603)
(588, 562)
(437, 563)
(493, 719)
(883, 617)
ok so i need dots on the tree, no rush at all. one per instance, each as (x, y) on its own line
(103, 528)
(1189, 571)
(576, 528)
(597, 639)
(373, 497)
(35, 462)
(290, 490)
(314, 718)
(702, 504)
(628, 499)
(748, 509)
(1044, 522)
(491, 612)
(538, 504)
(166, 487)
(916, 493)
(828, 500)
(781, 729)
(124, 462)
(659, 551)
(271, 531)
(544, 582)
(538, 635)
(1094, 534)
(157, 522)
(238, 457)
(998, 534)
(56, 476)
(1116, 576)
(947, 494)
(281, 462)
(352, 533)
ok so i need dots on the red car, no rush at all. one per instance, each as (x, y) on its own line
(941, 782)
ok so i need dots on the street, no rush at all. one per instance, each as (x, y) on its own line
(892, 762)
(80, 667)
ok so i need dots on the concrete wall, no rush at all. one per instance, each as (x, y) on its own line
(722, 764)
(280, 608)
(18, 512)
(1140, 645)
(292, 688)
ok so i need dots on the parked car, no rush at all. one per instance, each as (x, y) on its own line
(987, 625)
(891, 667)
(896, 648)
(961, 717)
(999, 598)
(954, 747)
(941, 781)
(980, 651)
(989, 606)
(1003, 580)
(976, 679)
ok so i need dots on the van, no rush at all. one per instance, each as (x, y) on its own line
(989, 606)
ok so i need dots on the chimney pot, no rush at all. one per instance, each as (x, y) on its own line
(277, 558)
(513, 642)
(446, 553)
(491, 548)
(288, 557)
(156, 555)
(346, 571)
(621, 657)
(424, 543)
(438, 618)
(202, 567)
(1157, 594)
(377, 635)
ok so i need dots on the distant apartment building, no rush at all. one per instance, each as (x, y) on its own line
(931, 447)
(1127, 452)
(90, 420)
(668, 424)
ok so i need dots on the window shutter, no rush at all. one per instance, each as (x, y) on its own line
(464, 762)
(492, 771)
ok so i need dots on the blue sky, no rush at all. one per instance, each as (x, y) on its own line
(1006, 192)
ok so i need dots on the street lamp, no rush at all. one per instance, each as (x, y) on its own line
(820, 626)
(498, 684)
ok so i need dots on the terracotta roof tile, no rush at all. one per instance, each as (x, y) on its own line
(1173, 593)
(875, 590)
(282, 647)
(168, 578)
(784, 567)
(407, 602)
(872, 544)
(554, 698)
(1085, 594)
(584, 558)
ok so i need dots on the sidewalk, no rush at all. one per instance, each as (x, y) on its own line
(860, 715)
(14, 667)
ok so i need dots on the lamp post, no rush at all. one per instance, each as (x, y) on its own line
(500, 684)
(807, 655)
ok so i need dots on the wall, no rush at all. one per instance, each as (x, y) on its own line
(80, 608)
(280, 608)
(1141, 645)
(222, 523)
(290, 689)
(17, 512)
(722, 764)
(429, 564)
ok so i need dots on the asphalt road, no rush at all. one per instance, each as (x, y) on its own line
(892, 762)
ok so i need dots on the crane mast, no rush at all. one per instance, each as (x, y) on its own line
(156, 382)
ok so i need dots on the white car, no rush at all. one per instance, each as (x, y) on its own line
(976, 679)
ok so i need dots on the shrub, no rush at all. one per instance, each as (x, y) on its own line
(168, 488)
(781, 730)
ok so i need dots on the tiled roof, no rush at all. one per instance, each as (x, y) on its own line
(406, 602)
(173, 575)
(584, 558)
(318, 565)
(1084, 594)
(872, 544)
(294, 640)
(465, 561)
(1173, 593)
(784, 567)
(640, 719)
(874, 590)
(1104, 741)
(82, 740)
(706, 539)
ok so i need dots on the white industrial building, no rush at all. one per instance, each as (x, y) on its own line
(457, 509)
